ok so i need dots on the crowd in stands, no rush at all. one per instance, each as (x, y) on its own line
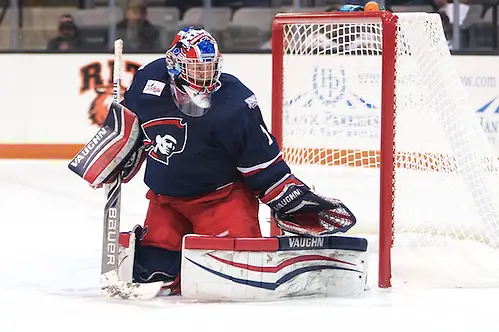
(238, 25)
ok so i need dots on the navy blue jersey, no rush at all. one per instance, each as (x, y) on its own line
(191, 156)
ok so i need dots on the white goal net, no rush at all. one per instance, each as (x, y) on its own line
(349, 80)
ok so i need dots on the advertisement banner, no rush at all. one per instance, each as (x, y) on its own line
(480, 77)
(56, 99)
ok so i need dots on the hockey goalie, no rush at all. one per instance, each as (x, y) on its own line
(210, 159)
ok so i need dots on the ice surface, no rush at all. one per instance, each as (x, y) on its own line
(49, 275)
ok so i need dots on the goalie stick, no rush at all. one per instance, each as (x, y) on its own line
(111, 284)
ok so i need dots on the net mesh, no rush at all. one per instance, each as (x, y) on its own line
(446, 183)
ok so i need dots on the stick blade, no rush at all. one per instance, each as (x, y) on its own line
(115, 288)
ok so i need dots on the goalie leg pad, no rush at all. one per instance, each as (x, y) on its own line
(110, 149)
(272, 268)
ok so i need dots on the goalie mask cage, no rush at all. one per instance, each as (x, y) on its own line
(368, 108)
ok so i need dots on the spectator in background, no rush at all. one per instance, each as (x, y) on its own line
(68, 38)
(137, 32)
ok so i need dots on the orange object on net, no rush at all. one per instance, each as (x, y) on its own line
(372, 6)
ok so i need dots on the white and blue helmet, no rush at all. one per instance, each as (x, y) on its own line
(194, 63)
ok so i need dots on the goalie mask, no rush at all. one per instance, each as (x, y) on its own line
(194, 64)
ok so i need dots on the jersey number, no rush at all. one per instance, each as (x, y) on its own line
(267, 134)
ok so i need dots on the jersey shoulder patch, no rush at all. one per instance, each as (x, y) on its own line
(154, 87)
(152, 78)
(251, 101)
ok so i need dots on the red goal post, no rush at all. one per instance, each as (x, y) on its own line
(389, 27)
(403, 60)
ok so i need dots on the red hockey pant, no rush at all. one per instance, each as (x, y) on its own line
(230, 211)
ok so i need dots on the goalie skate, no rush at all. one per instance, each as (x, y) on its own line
(115, 288)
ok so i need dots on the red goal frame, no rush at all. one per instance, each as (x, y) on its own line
(388, 23)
